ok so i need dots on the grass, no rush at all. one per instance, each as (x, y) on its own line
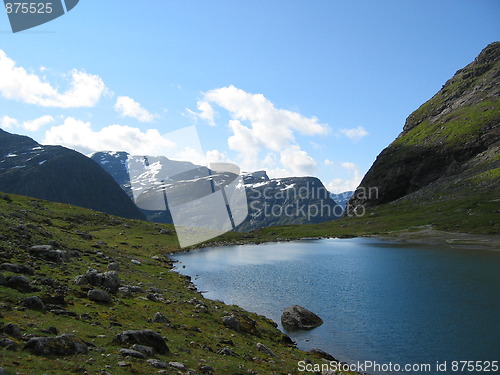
(194, 337)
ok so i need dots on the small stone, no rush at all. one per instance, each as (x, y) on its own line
(144, 337)
(123, 364)
(146, 350)
(114, 266)
(265, 349)
(226, 351)
(136, 262)
(156, 363)
(132, 353)
(98, 296)
(205, 369)
(177, 365)
(159, 318)
(51, 330)
(322, 354)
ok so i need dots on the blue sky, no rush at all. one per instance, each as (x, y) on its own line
(294, 87)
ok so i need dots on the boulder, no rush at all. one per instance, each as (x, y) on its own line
(12, 330)
(144, 337)
(159, 318)
(8, 344)
(98, 296)
(16, 268)
(232, 322)
(299, 317)
(33, 303)
(61, 345)
(19, 282)
(107, 280)
(46, 252)
(247, 325)
(3, 280)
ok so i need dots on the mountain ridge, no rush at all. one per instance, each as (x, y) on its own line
(59, 174)
(448, 140)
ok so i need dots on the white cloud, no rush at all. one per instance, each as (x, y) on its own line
(7, 122)
(257, 126)
(297, 161)
(38, 123)
(327, 162)
(78, 135)
(207, 112)
(127, 106)
(216, 156)
(339, 185)
(84, 90)
(355, 133)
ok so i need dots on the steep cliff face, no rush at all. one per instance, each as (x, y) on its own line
(451, 140)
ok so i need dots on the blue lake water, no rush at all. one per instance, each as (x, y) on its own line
(380, 301)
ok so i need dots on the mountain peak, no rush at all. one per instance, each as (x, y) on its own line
(450, 140)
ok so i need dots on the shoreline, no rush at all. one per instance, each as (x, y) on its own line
(424, 236)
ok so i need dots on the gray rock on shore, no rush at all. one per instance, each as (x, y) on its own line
(298, 317)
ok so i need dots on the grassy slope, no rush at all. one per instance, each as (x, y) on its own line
(193, 337)
(475, 215)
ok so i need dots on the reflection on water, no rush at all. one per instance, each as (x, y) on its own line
(380, 301)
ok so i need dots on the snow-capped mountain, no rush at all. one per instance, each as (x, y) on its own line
(342, 198)
(293, 200)
(58, 174)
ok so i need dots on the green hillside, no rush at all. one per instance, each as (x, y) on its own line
(195, 334)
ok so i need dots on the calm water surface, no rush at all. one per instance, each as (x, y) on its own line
(380, 301)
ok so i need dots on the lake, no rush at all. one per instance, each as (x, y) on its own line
(380, 301)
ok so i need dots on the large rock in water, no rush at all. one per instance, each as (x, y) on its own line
(299, 317)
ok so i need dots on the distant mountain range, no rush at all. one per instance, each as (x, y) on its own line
(293, 200)
(342, 198)
(449, 148)
(58, 174)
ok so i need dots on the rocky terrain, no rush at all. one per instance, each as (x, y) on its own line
(86, 292)
(280, 201)
(59, 174)
(285, 201)
(449, 147)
